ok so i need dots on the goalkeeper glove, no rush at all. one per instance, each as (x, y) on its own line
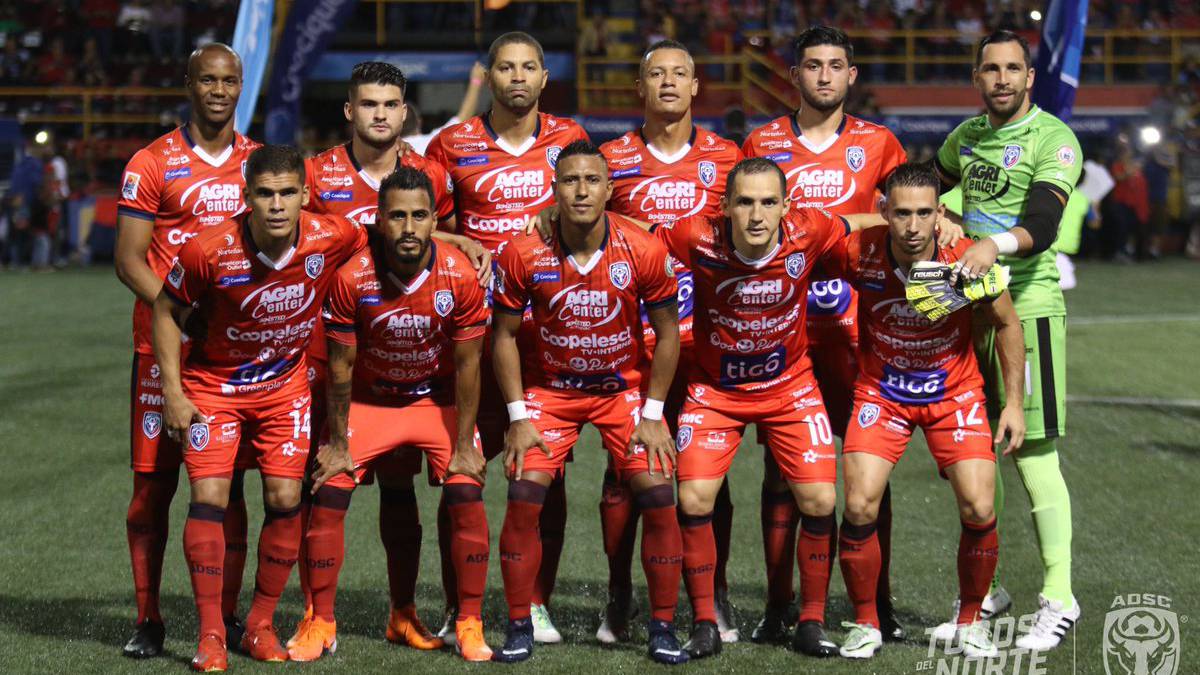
(930, 292)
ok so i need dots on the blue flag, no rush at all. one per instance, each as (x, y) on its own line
(252, 42)
(311, 24)
(1058, 56)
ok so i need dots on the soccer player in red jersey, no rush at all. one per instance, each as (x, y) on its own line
(344, 180)
(837, 162)
(502, 166)
(417, 316)
(667, 169)
(917, 373)
(584, 286)
(173, 189)
(254, 286)
(751, 270)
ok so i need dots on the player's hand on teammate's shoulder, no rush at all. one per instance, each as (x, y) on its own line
(655, 437)
(520, 438)
(949, 232)
(467, 460)
(543, 222)
(976, 261)
(333, 458)
(1012, 425)
(481, 258)
(179, 415)
(403, 147)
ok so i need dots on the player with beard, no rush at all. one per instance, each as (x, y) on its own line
(667, 169)
(837, 162)
(172, 190)
(502, 165)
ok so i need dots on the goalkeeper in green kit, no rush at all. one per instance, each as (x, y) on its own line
(1017, 166)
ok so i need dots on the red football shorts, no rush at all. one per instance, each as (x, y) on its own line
(793, 423)
(386, 439)
(276, 435)
(149, 447)
(955, 428)
(558, 417)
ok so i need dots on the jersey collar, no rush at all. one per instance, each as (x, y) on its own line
(276, 265)
(665, 158)
(812, 147)
(515, 151)
(411, 286)
(1034, 111)
(587, 267)
(208, 159)
(366, 177)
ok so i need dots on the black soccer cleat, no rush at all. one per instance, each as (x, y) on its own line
(518, 643)
(663, 645)
(234, 630)
(810, 639)
(775, 628)
(147, 640)
(705, 640)
(889, 623)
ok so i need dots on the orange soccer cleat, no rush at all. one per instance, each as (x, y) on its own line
(301, 627)
(211, 655)
(405, 627)
(262, 644)
(317, 637)
(469, 642)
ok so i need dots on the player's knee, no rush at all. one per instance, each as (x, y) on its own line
(977, 511)
(815, 499)
(861, 509)
(281, 494)
(694, 501)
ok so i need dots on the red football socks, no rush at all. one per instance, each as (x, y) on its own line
(469, 545)
(325, 548)
(445, 541)
(618, 523)
(147, 524)
(400, 532)
(858, 547)
(662, 549)
(814, 553)
(699, 561)
(235, 546)
(978, 548)
(278, 547)
(780, 518)
(204, 548)
(553, 529)
(520, 545)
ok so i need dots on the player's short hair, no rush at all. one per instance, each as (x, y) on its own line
(913, 175)
(377, 72)
(665, 44)
(815, 36)
(212, 46)
(752, 166)
(515, 37)
(578, 148)
(406, 178)
(276, 159)
(1001, 36)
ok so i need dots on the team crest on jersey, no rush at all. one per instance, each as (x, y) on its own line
(1012, 155)
(198, 436)
(684, 437)
(151, 424)
(794, 265)
(552, 155)
(129, 188)
(314, 264)
(856, 158)
(1066, 156)
(868, 414)
(443, 302)
(175, 278)
(708, 173)
(619, 273)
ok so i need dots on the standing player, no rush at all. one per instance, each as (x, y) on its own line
(667, 169)
(1017, 165)
(917, 373)
(502, 166)
(255, 285)
(585, 286)
(344, 180)
(415, 313)
(751, 268)
(837, 162)
(180, 185)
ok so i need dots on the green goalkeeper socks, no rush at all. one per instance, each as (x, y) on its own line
(998, 507)
(1037, 462)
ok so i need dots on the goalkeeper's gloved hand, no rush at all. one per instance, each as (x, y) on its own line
(929, 291)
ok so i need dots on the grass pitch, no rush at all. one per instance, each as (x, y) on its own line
(66, 597)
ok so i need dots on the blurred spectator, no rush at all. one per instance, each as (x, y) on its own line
(100, 18)
(166, 33)
(593, 37)
(90, 72)
(941, 45)
(55, 191)
(23, 204)
(53, 66)
(470, 103)
(879, 20)
(1157, 170)
(969, 25)
(734, 125)
(1129, 204)
(14, 63)
(135, 22)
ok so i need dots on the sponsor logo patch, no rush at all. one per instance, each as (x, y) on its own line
(175, 278)
(129, 186)
(473, 160)
(177, 173)
(545, 277)
(337, 196)
(623, 173)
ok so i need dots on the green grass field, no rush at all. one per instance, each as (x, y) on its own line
(66, 598)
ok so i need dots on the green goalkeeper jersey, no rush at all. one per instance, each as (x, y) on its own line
(996, 168)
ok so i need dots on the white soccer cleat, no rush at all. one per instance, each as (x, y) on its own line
(975, 642)
(544, 631)
(726, 623)
(1052, 625)
(863, 642)
(447, 632)
(994, 604)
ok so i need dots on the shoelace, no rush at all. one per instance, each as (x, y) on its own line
(1047, 620)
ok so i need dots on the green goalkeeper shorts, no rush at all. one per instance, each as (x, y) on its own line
(1045, 375)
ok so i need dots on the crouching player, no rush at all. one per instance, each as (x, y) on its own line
(584, 286)
(254, 286)
(915, 373)
(416, 315)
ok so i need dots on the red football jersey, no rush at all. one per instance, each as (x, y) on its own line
(496, 187)
(338, 185)
(748, 312)
(183, 190)
(843, 175)
(586, 318)
(405, 328)
(904, 356)
(258, 316)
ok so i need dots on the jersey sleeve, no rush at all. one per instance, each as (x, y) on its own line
(839, 260)
(579, 134)
(656, 279)
(470, 310)
(892, 156)
(354, 238)
(341, 306)
(189, 275)
(1059, 159)
(141, 187)
(512, 288)
(315, 203)
(676, 236)
(443, 190)
(435, 153)
(830, 229)
(948, 159)
(748, 149)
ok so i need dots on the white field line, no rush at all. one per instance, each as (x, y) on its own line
(1137, 401)
(1110, 319)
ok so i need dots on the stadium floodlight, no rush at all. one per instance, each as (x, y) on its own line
(1150, 135)
(1035, 15)
(41, 137)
